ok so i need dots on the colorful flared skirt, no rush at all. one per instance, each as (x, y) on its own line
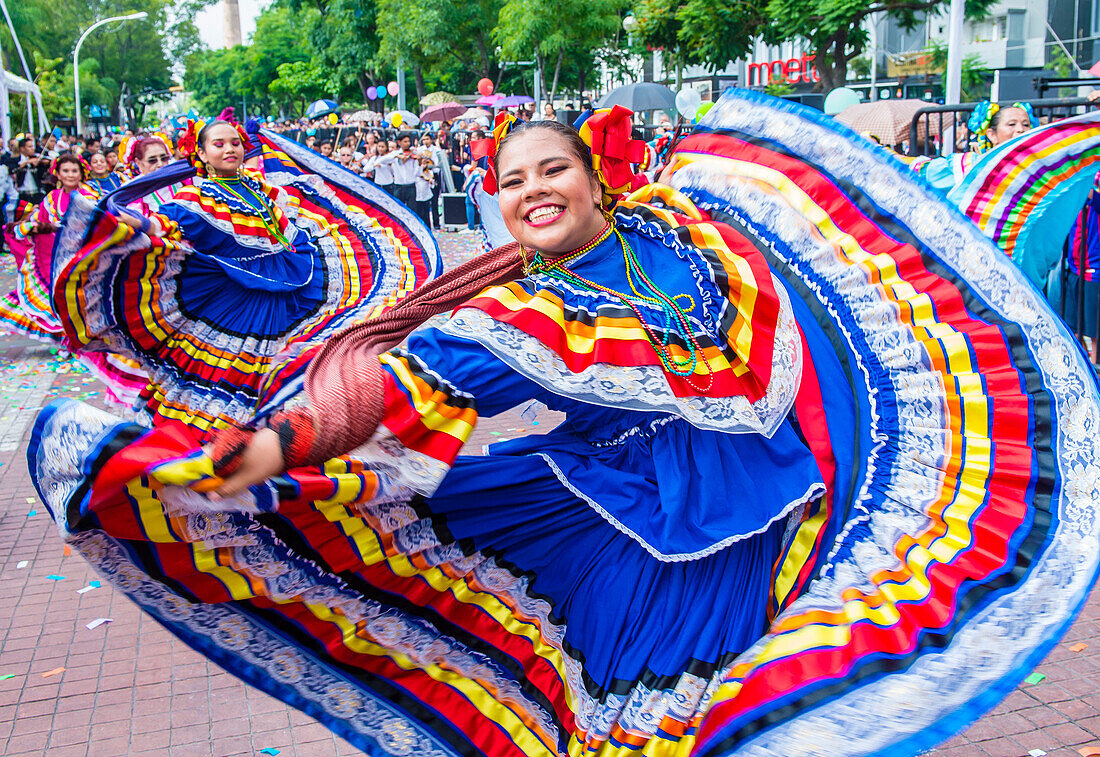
(166, 304)
(952, 418)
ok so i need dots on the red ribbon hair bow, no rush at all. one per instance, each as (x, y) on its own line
(487, 148)
(607, 132)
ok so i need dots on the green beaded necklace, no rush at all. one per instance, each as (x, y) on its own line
(675, 317)
(267, 218)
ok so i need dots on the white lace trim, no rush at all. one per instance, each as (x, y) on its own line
(645, 388)
(107, 334)
(815, 490)
(869, 717)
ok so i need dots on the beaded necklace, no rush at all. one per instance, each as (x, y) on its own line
(268, 217)
(675, 317)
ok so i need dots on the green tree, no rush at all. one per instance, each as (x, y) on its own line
(345, 38)
(976, 76)
(131, 61)
(299, 82)
(834, 28)
(440, 39)
(216, 78)
(710, 33)
(548, 31)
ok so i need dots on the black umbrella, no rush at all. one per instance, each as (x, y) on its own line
(641, 96)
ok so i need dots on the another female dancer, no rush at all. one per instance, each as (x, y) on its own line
(27, 310)
(990, 126)
(817, 492)
(101, 179)
(142, 156)
(235, 271)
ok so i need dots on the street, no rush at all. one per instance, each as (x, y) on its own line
(128, 687)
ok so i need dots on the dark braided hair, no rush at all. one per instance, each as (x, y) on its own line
(571, 136)
(204, 132)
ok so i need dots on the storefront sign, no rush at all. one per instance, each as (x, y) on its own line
(790, 71)
(911, 64)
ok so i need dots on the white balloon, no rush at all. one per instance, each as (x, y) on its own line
(688, 100)
(839, 100)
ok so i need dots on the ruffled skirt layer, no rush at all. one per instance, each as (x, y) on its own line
(954, 423)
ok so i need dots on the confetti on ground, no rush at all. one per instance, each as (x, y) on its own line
(1089, 751)
(67, 551)
(22, 564)
(269, 750)
(53, 672)
(32, 513)
(97, 623)
(1079, 647)
(6, 676)
(1036, 753)
(30, 500)
(1035, 678)
(55, 577)
(84, 590)
(94, 584)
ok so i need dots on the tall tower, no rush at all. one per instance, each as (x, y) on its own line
(231, 23)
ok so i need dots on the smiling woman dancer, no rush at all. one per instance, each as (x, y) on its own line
(205, 288)
(101, 179)
(28, 310)
(990, 126)
(762, 520)
(142, 156)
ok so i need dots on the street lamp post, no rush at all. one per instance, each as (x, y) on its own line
(76, 56)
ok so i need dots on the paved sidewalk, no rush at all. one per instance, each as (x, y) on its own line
(129, 688)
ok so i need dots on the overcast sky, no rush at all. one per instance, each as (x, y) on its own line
(209, 21)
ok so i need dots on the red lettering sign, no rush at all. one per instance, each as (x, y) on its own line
(791, 71)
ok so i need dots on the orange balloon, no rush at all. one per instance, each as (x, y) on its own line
(485, 87)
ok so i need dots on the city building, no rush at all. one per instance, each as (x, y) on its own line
(1008, 52)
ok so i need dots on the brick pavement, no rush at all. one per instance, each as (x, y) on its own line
(130, 688)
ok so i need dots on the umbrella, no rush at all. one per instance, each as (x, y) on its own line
(442, 112)
(474, 113)
(364, 115)
(407, 118)
(512, 101)
(641, 96)
(886, 119)
(321, 108)
(488, 99)
(437, 98)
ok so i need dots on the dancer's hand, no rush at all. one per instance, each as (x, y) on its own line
(262, 459)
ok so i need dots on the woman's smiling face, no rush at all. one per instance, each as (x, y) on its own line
(549, 199)
(1012, 122)
(222, 149)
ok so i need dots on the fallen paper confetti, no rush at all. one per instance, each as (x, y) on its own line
(85, 589)
(1035, 678)
(32, 513)
(55, 577)
(270, 750)
(6, 676)
(97, 623)
(94, 584)
(67, 551)
(53, 672)
(1089, 751)
(1079, 647)
(21, 564)
(1036, 753)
